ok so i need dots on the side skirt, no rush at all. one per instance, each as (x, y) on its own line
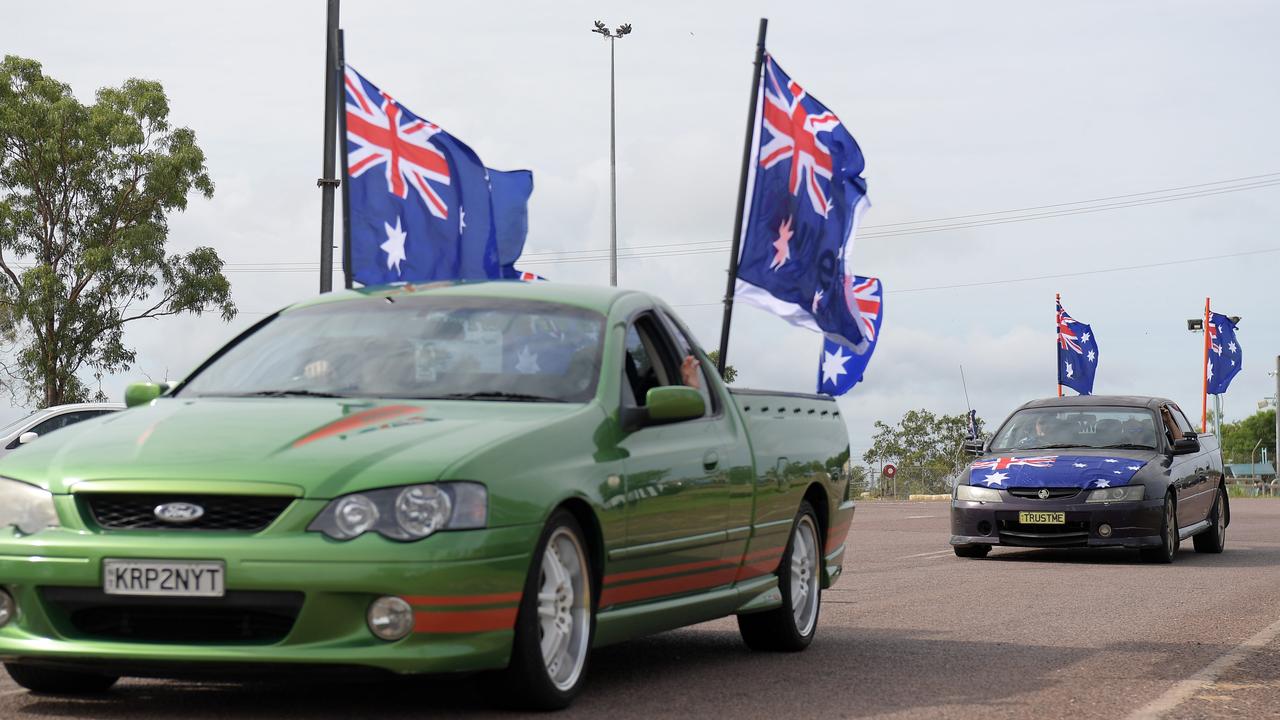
(626, 623)
(1188, 531)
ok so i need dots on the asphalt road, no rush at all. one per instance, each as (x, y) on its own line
(910, 631)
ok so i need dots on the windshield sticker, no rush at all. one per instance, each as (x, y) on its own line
(371, 419)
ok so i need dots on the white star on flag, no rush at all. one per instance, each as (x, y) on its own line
(462, 218)
(1135, 468)
(995, 478)
(1209, 371)
(782, 245)
(833, 365)
(1117, 472)
(1103, 483)
(1111, 460)
(1091, 356)
(394, 246)
(1232, 347)
(526, 361)
(1084, 337)
(1070, 374)
(817, 298)
(1079, 465)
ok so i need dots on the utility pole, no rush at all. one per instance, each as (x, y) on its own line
(1277, 455)
(623, 29)
(327, 181)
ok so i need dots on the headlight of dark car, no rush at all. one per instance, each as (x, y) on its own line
(26, 507)
(973, 493)
(405, 513)
(1117, 494)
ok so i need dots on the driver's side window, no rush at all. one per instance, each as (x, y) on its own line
(647, 363)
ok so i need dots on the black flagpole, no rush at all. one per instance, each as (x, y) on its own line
(327, 181)
(341, 72)
(742, 199)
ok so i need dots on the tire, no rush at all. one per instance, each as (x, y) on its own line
(1168, 535)
(972, 551)
(1214, 539)
(791, 628)
(546, 673)
(53, 681)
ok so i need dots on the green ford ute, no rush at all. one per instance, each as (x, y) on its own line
(422, 479)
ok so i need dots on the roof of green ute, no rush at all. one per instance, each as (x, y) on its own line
(591, 297)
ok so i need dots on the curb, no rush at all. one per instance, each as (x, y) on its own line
(917, 498)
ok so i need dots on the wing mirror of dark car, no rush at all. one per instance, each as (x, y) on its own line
(974, 447)
(1186, 446)
(27, 437)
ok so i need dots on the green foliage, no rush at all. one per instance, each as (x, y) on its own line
(1239, 438)
(730, 372)
(84, 195)
(922, 441)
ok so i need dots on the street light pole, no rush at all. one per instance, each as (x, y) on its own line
(624, 29)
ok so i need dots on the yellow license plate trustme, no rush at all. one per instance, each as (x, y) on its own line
(1042, 518)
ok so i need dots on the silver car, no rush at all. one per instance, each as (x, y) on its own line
(42, 422)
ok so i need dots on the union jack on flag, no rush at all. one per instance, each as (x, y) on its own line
(383, 133)
(838, 369)
(795, 136)
(1077, 353)
(1004, 463)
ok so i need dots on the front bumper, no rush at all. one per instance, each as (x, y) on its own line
(464, 586)
(1133, 524)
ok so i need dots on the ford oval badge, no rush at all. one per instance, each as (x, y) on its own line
(179, 513)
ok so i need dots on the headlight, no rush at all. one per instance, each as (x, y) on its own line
(26, 507)
(1117, 494)
(974, 493)
(405, 513)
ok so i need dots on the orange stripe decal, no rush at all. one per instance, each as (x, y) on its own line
(364, 418)
(464, 621)
(456, 600)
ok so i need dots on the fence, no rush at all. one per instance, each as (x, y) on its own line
(907, 481)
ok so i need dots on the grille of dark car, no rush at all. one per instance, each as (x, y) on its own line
(1070, 533)
(1053, 493)
(135, 511)
(241, 617)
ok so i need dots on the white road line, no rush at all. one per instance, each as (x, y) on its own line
(948, 551)
(920, 517)
(1184, 690)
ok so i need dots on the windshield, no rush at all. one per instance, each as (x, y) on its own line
(416, 348)
(1087, 427)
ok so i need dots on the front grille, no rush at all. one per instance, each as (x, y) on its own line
(250, 618)
(1072, 533)
(1034, 493)
(137, 511)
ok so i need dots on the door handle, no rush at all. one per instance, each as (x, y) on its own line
(710, 461)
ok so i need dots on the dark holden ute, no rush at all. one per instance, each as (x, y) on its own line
(1093, 471)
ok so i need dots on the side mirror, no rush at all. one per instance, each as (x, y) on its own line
(674, 403)
(141, 393)
(1186, 446)
(974, 447)
(27, 437)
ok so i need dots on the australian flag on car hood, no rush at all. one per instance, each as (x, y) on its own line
(1055, 471)
(806, 198)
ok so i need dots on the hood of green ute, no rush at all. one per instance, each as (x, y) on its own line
(321, 448)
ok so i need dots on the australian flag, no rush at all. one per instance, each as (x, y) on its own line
(839, 369)
(422, 205)
(805, 203)
(1225, 355)
(1077, 353)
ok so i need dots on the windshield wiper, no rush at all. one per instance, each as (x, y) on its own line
(1058, 446)
(1126, 446)
(280, 393)
(494, 395)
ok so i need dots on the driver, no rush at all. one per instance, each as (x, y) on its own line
(1039, 434)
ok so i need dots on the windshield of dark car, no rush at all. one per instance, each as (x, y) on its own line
(1086, 427)
(413, 348)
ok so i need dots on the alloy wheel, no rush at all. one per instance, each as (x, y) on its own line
(804, 575)
(564, 608)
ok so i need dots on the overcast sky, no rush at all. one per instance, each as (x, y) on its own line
(960, 108)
